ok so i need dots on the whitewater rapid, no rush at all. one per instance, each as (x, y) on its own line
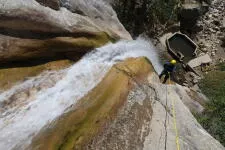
(54, 92)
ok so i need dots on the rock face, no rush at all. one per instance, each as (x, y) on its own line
(27, 28)
(129, 109)
(191, 134)
(157, 132)
(101, 13)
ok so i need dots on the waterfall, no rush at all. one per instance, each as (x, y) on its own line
(39, 100)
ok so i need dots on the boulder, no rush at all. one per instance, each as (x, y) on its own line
(205, 59)
(101, 13)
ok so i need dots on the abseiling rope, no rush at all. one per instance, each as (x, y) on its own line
(175, 121)
(165, 123)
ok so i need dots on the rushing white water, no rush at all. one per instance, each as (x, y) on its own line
(31, 112)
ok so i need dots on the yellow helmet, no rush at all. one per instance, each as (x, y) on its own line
(173, 61)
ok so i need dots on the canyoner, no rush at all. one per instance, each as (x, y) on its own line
(168, 70)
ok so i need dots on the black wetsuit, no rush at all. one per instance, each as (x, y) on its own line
(168, 69)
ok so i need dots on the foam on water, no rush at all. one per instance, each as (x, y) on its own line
(18, 128)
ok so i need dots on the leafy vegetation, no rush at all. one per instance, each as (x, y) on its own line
(140, 16)
(213, 118)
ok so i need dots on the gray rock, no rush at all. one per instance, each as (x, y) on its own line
(195, 81)
(223, 20)
(31, 16)
(204, 49)
(216, 28)
(200, 60)
(153, 128)
(192, 136)
(223, 41)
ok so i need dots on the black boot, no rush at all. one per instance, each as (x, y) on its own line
(166, 78)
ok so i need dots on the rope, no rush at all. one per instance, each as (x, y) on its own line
(175, 122)
(165, 123)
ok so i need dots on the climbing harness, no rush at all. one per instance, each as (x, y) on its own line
(174, 121)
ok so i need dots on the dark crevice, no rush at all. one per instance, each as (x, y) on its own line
(38, 61)
(29, 34)
(53, 4)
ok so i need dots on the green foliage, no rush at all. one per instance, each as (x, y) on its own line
(213, 118)
(165, 11)
(143, 15)
(221, 66)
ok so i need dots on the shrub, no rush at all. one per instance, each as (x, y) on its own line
(213, 118)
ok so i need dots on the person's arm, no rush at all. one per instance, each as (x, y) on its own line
(166, 65)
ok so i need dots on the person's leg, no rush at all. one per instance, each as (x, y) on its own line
(163, 72)
(166, 77)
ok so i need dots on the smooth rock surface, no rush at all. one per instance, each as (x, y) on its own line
(101, 13)
(30, 15)
(205, 59)
(146, 121)
(191, 135)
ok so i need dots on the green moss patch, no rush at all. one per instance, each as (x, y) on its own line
(213, 118)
